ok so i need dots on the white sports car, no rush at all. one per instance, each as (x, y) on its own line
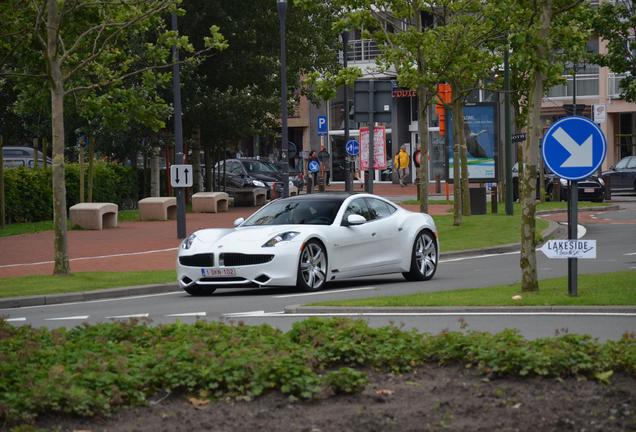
(308, 240)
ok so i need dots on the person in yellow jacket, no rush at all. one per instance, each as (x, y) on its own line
(401, 165)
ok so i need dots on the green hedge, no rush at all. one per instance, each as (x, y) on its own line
(28, 192)
(94, 369)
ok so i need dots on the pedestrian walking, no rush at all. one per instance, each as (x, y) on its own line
(401, 165)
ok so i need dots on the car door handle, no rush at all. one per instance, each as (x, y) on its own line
(400, 229)
(372, 234)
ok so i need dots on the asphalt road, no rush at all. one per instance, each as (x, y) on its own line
(615, 233)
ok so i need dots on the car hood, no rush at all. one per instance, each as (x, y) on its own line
(252, 235)
(263, 177)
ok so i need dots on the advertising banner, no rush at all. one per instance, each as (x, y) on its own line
(480, 131)
(379, 148)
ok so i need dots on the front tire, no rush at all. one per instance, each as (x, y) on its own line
(199, 290)
(312, 267)
(423, 257)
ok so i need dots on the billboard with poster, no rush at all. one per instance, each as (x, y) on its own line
(379, 148)
(480, 130)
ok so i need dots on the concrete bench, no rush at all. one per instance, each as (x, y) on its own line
(293, 190)
(158, 208)
(209, 202)
(94, 216)
(252, 197)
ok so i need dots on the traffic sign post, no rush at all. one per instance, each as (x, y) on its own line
(322, 125)
(573, 148)
(352, 147)
(181, 176)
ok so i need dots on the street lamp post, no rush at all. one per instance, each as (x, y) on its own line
(348, 171)
(508, 149)
(178, 132)
(282, 9)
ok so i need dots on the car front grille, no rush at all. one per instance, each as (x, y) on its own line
(239, 259)
(198, 260)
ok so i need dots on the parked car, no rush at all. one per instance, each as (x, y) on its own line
(295, 177)
(21, 156)
(251, 172)
(308, 240)
(590, 189)
(623, 174)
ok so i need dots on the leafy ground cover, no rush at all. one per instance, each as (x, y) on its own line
(55, 376)
(81, 281)
(618, 288)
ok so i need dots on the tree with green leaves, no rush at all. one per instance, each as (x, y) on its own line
(544, 35)
(615, 23)
(79, 46)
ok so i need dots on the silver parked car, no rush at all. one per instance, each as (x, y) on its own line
(19, 156)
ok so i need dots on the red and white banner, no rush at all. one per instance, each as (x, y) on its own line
(379, 148)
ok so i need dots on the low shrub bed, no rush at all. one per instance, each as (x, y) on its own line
(92, 370)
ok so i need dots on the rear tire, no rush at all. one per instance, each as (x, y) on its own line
(199, 290)
(312, 267)
(423, 257)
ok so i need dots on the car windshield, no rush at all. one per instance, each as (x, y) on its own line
(256, 166)
(299, 212)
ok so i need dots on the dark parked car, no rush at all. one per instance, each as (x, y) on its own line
(623, 174)
(296, 177)
(590, 189)
(251, 172)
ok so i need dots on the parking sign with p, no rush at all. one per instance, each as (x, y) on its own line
(322, 125)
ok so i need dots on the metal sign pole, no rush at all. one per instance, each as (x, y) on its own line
(371, 171)
(572, 235)
(178, 133)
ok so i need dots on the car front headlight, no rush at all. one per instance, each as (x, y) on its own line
(286, 236)
(258, 183)
(188, 241)
(563, 182)
(601, 181)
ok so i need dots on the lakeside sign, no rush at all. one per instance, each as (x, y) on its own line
(585, 249)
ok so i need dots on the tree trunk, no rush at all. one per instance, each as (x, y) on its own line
(457, 188)
(463, 154)
(528, 177)
(422, 120)
(91, 169)
(61, 266)
(45, 151)
(155, 171)
(196, 162)
(2, 208)
(80, 156)
(208, 168)
(36, 154)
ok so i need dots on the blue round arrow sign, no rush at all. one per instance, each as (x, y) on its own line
(313, 166)
(352, 147)
(574, 148)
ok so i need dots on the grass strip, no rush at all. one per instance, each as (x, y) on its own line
(603, 289)
(81, 281)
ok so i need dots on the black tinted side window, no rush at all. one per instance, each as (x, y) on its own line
(379, 209)
(359, 207)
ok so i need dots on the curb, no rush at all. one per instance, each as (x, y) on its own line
(554, 230)
(110, 293)
(301, 309)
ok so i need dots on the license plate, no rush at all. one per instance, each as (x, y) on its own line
(218, 272)
(588, 190)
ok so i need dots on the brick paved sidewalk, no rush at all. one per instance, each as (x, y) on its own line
(134, 246)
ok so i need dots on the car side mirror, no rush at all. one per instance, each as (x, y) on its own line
(354, 219)
(612, 167)
(238, 221)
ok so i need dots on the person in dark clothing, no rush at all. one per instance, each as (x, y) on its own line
(323, 158)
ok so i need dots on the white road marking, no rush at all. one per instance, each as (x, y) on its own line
(477, 256)
(77, 317)
(324, 292)
(22, 319)
(631, 253)
(142, 315)
(91, 257)
(99, 301)
(187, 314)
(436, 314)
(240, 314)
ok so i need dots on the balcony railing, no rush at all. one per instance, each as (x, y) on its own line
(362, 51)
(613, 85)
(586, 85)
